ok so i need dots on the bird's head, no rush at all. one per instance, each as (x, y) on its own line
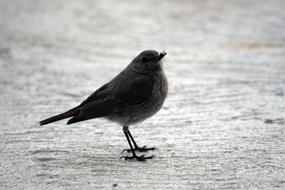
(148, 61)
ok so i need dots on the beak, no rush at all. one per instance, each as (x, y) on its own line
(162, 54)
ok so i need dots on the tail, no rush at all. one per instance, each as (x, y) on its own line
(58, 117)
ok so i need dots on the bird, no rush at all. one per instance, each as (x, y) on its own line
(132, 96)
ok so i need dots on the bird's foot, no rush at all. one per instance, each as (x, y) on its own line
(140, 149)
(138, 158)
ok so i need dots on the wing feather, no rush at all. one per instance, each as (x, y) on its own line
(110, 99)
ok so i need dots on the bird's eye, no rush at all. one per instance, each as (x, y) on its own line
(144, 59)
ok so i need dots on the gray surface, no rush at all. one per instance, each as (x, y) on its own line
(222, 126)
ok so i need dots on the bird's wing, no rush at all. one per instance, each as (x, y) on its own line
(100, 93)
(135, 91)
(116, 99)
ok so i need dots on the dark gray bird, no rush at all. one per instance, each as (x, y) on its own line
(134, 95)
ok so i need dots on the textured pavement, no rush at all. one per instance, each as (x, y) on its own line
(221, 127)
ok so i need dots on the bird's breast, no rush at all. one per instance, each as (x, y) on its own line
(154, 103)
(148, 108)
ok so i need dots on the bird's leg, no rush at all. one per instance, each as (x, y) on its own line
(140, 149)
(134, 156)
(136, 147)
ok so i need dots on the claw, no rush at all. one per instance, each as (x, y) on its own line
(138, 158)
(140, 149)
(128, 150)
(122, 157)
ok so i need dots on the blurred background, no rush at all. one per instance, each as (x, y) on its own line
(222, 126)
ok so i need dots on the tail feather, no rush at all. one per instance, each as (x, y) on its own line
(58, 117)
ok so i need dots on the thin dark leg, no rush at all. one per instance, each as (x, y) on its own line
(136, 147)
(134, 156)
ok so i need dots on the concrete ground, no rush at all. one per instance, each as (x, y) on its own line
(222, 126)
